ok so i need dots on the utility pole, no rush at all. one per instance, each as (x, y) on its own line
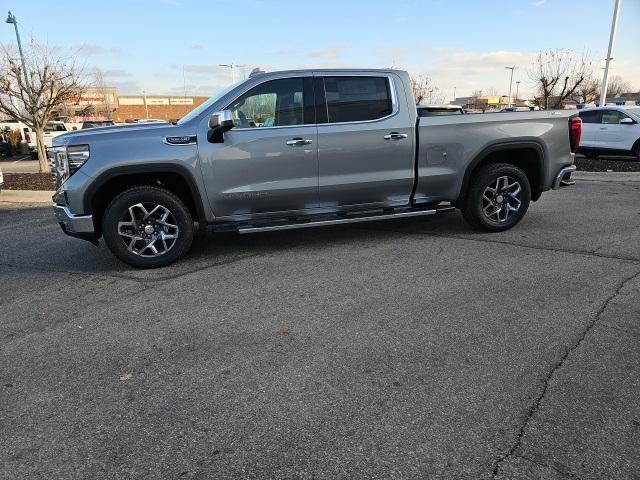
(612, 37)
(232, 66)
(12, 19)
(454, 93)
(146, 109)
(510, 84)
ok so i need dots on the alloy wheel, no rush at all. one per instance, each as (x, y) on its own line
(148, 229)
(501, 199)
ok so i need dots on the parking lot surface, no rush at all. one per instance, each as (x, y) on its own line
(413, 348)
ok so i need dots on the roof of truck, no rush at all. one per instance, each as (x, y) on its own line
(333, 70)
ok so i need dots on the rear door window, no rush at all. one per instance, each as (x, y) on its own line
(591, 116)
(357, 98)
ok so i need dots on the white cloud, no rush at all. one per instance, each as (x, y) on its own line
(538, 3)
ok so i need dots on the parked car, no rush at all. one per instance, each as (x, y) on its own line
(437, 110)
(344, 146)
(96, 124)
(52, 130)
(613, 130)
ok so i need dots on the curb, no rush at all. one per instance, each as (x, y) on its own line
(607, 176)
(26, 196)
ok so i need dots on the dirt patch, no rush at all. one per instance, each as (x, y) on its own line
(28, 181)
(602, 165)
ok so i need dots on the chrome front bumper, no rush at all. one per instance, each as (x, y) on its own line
(563, 178)
(80, 226)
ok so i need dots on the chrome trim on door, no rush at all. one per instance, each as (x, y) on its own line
(299, 141)
(395, 136)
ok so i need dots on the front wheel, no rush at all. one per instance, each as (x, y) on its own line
(147, 227)
(497, 198)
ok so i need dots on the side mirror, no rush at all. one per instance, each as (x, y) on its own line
(219, 122)
(222, 118)
(626, 121)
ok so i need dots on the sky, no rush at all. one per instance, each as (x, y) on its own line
(176, 46)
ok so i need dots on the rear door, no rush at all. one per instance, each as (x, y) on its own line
(365, 141)
(590, 137)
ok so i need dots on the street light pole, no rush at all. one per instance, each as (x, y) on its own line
(454, 93)
(517, 90)
(612, 37)
(12, 19)
(232, 66)
(510, 84)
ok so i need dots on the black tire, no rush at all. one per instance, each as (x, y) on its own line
(475, 207)
(120, 210)
(33, 155)
(636, 152)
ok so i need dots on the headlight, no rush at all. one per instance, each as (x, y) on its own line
(76, 156)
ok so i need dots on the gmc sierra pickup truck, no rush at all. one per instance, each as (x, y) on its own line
(300, 149)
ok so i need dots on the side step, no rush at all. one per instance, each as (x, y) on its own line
(414, 212)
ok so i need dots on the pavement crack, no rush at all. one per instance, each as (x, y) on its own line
(555, 367)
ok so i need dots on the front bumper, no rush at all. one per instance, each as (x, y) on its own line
(563, 177)
(80, 226)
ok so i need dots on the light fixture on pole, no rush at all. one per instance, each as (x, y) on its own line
(510, 84)
(612, 37)
(11, 19)
(232, 66)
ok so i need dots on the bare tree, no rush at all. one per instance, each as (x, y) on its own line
(617, 86)
(421, 84)
(557, 74)
(588, 91)
(53, 82)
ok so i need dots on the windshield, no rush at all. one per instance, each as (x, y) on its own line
(204, 106)
(634, 110)
(54, 127)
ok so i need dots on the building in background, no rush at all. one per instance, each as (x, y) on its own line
(139, 107)
(104, 103)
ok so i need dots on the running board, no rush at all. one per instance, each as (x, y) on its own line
(338, 221)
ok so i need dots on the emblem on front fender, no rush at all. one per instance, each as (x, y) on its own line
(183, 140)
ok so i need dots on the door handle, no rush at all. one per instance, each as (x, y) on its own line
(395, 136)
(603, 128)
(296, 142)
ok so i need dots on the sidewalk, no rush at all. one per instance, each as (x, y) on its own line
(26, 196)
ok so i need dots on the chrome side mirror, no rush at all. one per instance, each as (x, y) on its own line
(219, 122)
(626, 121)
(221, 119)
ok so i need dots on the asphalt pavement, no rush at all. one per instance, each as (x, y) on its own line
(412, 348)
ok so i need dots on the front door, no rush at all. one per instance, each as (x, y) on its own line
(365, 141)
(268, 162)
(616, 135)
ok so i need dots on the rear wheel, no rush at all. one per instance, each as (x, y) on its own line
(497, 198)
(147, 227)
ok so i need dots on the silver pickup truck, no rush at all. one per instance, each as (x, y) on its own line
(300, 149)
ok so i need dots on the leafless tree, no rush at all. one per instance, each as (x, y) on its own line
(617, 86)
(557, 74)
(588, 91)
(53, 81)
(421, 84)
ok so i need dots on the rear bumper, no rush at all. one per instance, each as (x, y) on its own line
(563, 177)
(79, 226)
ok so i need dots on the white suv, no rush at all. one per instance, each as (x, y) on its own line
(610, 131)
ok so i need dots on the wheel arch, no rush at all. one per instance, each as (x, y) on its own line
(532, 161)
(174, 177)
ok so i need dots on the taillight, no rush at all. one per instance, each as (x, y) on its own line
(27, 137)
(575, 131)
